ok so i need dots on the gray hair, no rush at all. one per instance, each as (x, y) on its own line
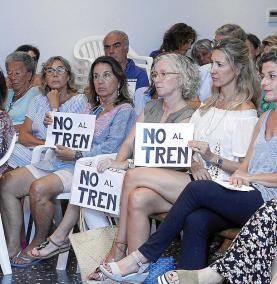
(188, 71)
(23, 57)
(198, 47)
(124, 35)
(232, 30)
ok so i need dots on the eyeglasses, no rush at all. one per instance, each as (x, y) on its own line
(155, 75)
(106, 76)
(59, 70)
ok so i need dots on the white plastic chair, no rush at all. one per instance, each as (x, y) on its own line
(89, 48)
(4, 256)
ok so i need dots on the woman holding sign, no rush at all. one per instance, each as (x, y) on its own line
(223, 130)
(115, 116)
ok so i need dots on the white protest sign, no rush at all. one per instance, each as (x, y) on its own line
(132, 83)
(73, 130)
(98, 191)
(163, 144)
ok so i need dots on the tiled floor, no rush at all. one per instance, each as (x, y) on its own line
(45, 272)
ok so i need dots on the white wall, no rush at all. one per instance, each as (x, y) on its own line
(55, 25)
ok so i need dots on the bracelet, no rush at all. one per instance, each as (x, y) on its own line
(54, 109)
(131, 164)
(78, 155)
(218, 163)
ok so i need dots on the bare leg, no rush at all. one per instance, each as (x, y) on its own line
(61, 233)
(155, 192)
(42, 191)
(14, 185)
(142, 203)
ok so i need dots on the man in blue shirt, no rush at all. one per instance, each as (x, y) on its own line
(116, 45)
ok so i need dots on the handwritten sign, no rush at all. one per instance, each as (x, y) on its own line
(72, 130)
(99, 191)
(163, 144)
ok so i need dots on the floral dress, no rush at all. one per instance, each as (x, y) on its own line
(250, 257)
(6, 135)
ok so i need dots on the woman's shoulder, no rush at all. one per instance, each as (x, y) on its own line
(248, 105)
(124, 106)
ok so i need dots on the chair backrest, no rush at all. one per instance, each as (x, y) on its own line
(5, 158)
(89, 48)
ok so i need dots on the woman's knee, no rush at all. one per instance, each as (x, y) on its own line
(137, 200)
(38, 191)
(8, 182)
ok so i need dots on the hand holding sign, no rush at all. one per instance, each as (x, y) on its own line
(47, 119)
(64, 153)
(105, 164)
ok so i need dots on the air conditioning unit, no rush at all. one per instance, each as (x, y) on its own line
(272, 15)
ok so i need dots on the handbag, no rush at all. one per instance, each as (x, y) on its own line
(156, 269)
(90, 246)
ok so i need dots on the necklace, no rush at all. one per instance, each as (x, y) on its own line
(209, 130)
(21, 94)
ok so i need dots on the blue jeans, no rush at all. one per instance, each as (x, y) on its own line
(202, 209)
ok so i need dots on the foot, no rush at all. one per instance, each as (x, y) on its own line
(23, 259)
(179, 277)
(130, 264)
(116, 253)
(49, 248)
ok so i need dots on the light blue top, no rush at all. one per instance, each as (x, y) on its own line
(205, 88)
(110, 131)
(38, 106)
(264, 160)
(141, 97)
(17, 110)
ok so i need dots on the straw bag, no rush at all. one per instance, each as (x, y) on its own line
(90, 246)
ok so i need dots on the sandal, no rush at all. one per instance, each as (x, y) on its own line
(97, 275)
(137, 277)
(179, 277)
(65, 246)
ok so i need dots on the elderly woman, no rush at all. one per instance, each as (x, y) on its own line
(223, 130)
(57, 92)
(111, 104)
(20, 70)
(202, 51)
(33, 51)
(6, 126)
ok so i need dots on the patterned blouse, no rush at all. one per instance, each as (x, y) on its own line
(6, 135)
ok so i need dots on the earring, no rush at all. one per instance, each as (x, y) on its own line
(97, 98)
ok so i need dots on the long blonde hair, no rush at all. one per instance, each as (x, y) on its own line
(247, 87)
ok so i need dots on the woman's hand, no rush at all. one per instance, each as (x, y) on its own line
(110, 163)
(240, 178)
(202, 148)
(54, 99)
(198, 172)
(47, 119)
(64, 153)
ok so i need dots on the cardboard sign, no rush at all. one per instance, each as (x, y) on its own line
(163, 144)
(73, 130)
(99, 191)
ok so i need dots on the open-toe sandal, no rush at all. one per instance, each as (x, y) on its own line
(184, 277)
(137, 277)
(65, 246)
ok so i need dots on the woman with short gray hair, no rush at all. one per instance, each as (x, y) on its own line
(20, 70)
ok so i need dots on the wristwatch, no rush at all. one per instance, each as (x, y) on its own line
(219, 162)
(78, 155)
(131, 164)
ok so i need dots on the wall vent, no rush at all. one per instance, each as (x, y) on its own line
(272, 15)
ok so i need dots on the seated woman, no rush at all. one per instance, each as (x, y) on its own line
(20, 70)
(111, 104)
(58, 93)
(6, 126)
(33, 51)
(223, 129)
(205, 207)
(177, 38)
